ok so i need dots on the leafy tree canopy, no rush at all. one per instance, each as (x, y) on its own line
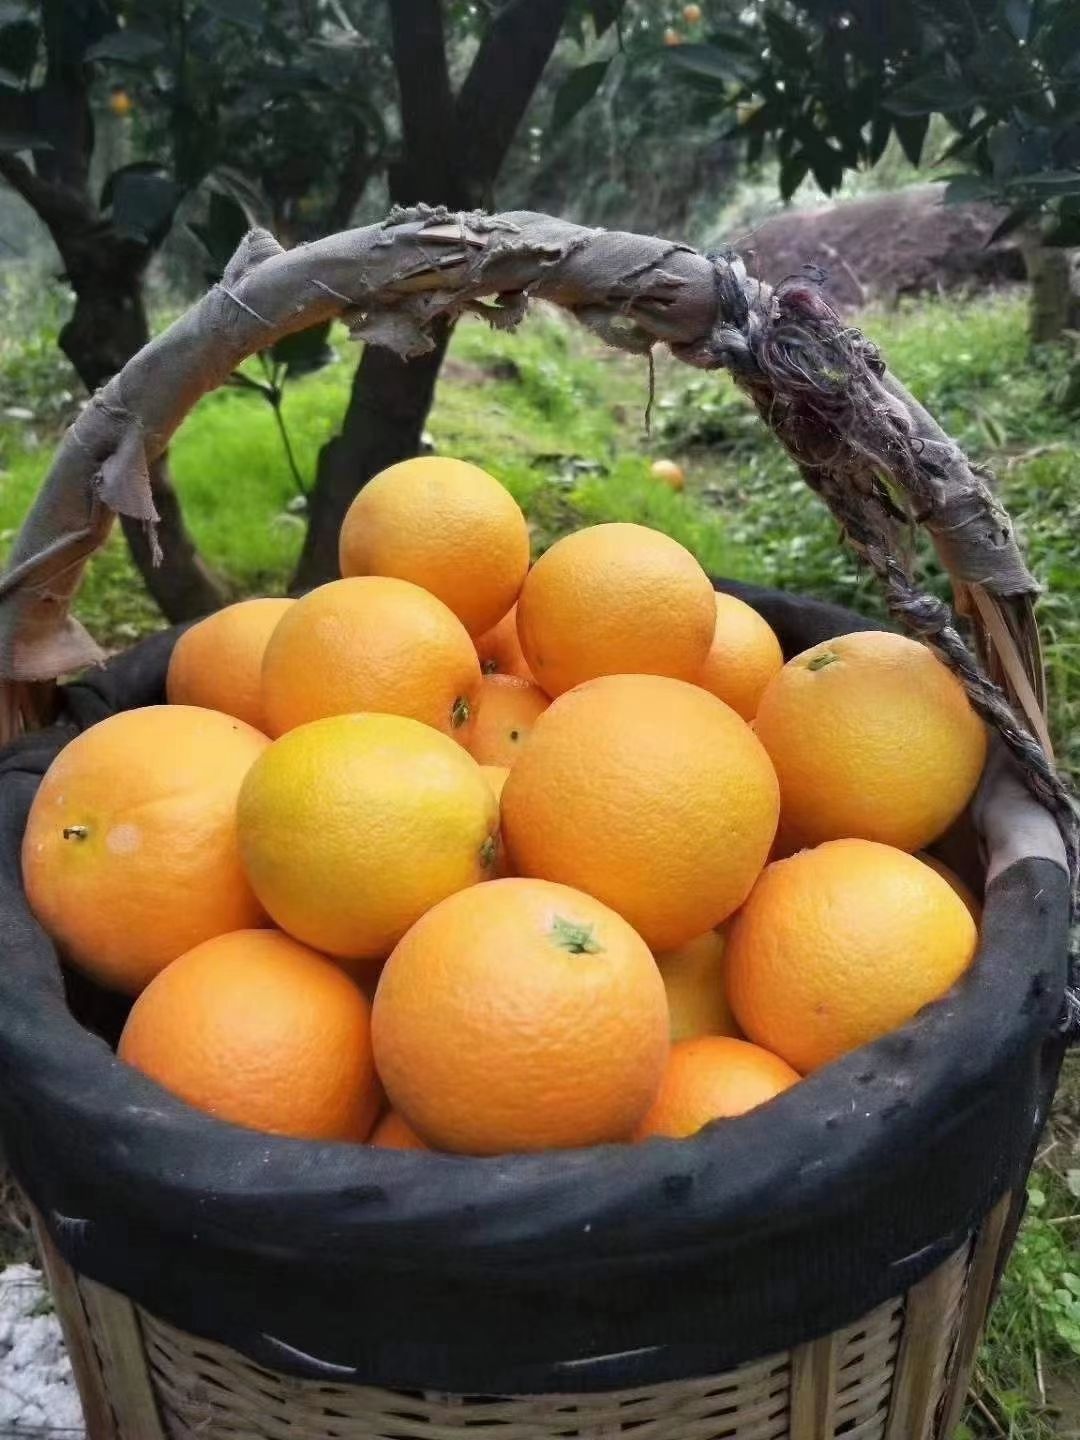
(827, 84)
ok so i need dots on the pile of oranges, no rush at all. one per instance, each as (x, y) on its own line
(454, 853)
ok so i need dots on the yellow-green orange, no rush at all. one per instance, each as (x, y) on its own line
(352, 827)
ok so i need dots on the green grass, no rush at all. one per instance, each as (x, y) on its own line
(1028, 1378)
(562, 423)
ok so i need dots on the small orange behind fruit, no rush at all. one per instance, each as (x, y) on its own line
(695, 980)
(649, 794)
(446, 525)
(744, 656)
(713, 1077)
(871, 737)
(261, 1031)
(392, 1133)
(841, 944)
(615, 600)
(518, 1016)
(670, 473)
(130, 855)
(499, 649)
(217, 663)
(370, 644)
(505, 709)
(353, 826)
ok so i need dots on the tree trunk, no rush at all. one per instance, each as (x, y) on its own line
(391, 397)
(107, 327)
(453, 150)
(1054, 276)
(383, 423)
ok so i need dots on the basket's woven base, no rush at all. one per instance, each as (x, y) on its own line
(899, 1373)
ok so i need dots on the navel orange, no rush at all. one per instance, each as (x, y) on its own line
(218, 662)
(446, 525)
(499, 649)
(259, 1030)
(696, 985)
(351, 827)
(520, 1015)
(713, 1077)
(370, 644)
(505, 710)
(744, 656)
(841, 944)
(649, 794)
(871, 737)
(615, 600)
(392, 1133)
(130, 855)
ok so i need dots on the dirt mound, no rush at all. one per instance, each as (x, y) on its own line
(885, 246)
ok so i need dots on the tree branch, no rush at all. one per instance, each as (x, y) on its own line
(61, 209)
(501, 82)
(42, 197)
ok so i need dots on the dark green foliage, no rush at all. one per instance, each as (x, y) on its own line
(832, 82)
(619, 137)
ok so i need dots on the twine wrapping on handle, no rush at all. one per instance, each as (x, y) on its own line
(875, 456)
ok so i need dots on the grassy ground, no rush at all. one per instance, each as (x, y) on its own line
(562, 423)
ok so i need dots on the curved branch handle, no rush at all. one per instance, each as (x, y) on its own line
(389, 283)
(861, 441)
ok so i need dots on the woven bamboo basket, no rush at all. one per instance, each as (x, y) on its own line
(900, 1372)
